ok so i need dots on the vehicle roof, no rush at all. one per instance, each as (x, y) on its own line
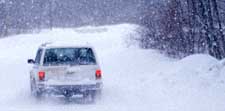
(63, 44)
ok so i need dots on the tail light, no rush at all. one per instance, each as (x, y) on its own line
(98, 74)
(41, 75)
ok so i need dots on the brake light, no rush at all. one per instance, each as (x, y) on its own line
(98, 74)
(41, 75)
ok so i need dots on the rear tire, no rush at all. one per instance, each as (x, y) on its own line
(35, 91)
(87, 97)
(92, 96)
(97, 94)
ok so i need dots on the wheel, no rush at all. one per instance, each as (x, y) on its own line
(87, 97)
(92, 96)
(34, 90)
(96, 95)
(31, 86)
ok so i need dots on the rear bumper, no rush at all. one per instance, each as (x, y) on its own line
(75, 89)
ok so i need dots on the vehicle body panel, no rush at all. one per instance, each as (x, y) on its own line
(75, 78)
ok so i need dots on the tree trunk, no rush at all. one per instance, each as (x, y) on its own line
(215, 50)
(222, 41)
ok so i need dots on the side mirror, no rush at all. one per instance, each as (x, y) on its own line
(30, 61)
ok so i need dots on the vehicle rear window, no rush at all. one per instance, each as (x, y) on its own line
(38, 56)
(69, 56)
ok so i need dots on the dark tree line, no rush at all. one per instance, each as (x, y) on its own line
(21, 16)
(185, 27)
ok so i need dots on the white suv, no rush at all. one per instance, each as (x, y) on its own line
(66, 70)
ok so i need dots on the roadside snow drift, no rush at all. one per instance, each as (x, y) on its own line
(134, 79)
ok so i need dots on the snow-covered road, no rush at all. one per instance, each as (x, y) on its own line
(134, 79)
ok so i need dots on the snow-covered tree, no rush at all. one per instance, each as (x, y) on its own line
(190, 26)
